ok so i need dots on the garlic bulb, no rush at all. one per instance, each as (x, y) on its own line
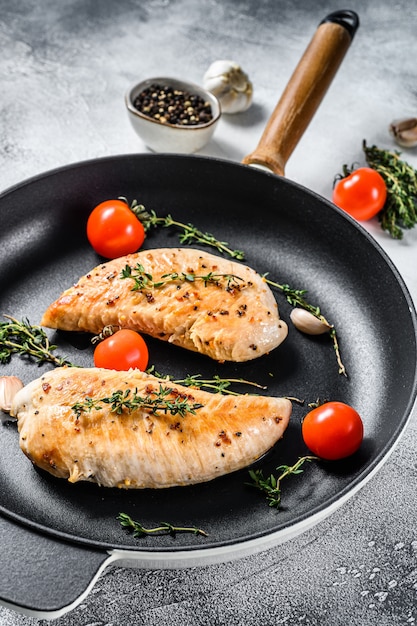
(405, 132)
(231, 86)
(308, 323)
(9, 386)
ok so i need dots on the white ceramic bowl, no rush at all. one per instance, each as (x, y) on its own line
(164, 137)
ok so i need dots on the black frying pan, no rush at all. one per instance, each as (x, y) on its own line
(69, 532)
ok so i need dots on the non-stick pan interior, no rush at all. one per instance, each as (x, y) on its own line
(289, 233)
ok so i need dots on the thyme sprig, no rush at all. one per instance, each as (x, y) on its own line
(216, 384)
(190, 234)
(161, 401)
(164, 528)
(400, 209)
(296, 297)
(144, 280)
(270, 486)
(25, 339)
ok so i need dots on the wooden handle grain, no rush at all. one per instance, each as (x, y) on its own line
(301, 97)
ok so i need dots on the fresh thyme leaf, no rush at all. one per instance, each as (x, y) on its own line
(270, 486)
(27, 340)
(164, 528)
(400, 209)
(217, 384)
(143, 280)
(161, 401)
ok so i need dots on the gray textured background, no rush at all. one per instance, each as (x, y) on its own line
(64, 68)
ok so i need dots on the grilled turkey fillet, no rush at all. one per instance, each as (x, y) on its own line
(233, 316)
(141, 447)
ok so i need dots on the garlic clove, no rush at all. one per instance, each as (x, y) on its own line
(9, 386)
(308, 323)
(231, 102)
(230, 84)
(220, 67)
(405, 132)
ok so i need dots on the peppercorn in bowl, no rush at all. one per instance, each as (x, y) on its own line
(172, 115)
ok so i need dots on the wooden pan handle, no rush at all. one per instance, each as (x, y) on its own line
(305, 91)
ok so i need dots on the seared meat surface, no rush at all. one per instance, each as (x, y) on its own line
(133, 430)
(193, 299)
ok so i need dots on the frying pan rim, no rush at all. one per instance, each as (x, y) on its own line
(319, 511)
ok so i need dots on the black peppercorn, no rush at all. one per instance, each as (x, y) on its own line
(173, 106)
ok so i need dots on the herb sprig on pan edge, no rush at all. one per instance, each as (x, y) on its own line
(399, 212)
(139, 530)
(270, 485)
(400, 209)
(26, 340)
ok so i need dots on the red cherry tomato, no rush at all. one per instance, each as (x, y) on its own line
(124, 350)
(362, 194)
(113, 229)
(333, 431)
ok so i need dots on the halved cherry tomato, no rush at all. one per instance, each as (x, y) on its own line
(362, 194)
(333, 431)
(124, 350)
(113, 229)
